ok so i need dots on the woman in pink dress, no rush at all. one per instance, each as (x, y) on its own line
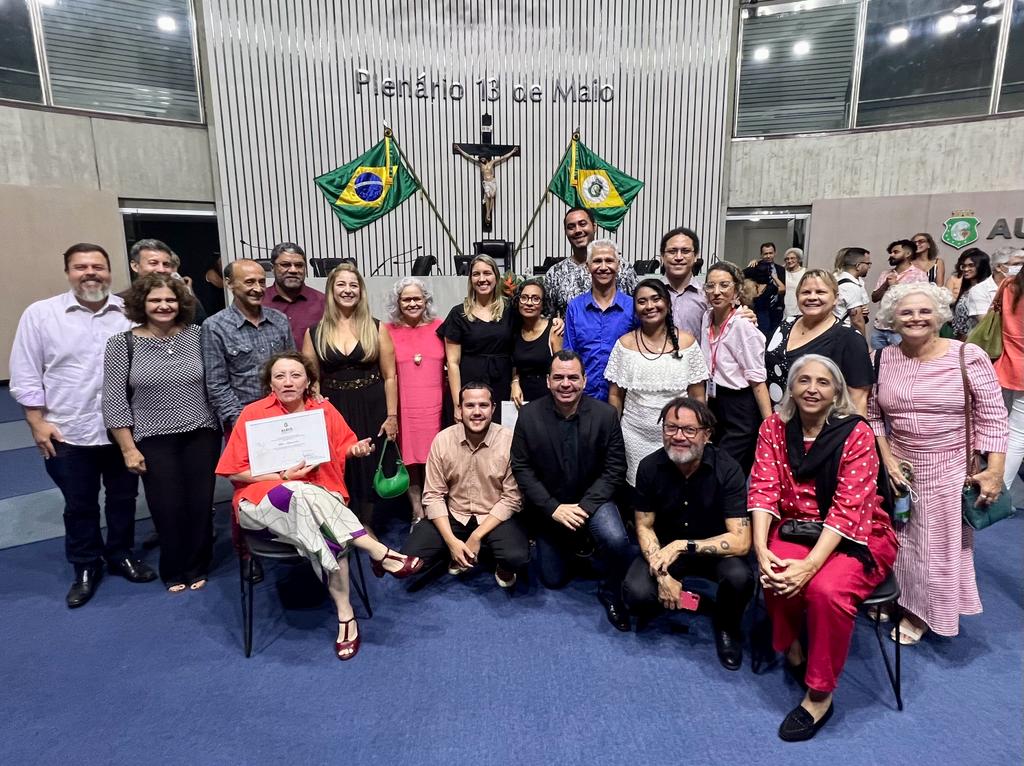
(419, 354)
(917, 414)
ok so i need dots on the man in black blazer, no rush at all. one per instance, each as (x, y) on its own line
(568, 459)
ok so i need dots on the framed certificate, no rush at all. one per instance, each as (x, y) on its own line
(286, 440)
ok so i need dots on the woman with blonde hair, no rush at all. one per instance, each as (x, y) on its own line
(355, 362)
(478, 336)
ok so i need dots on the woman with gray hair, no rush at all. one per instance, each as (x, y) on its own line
(419, 357)
(918, 411)
(822, 539)
(793, 263)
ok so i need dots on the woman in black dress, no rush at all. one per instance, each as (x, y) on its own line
(478, 336)
(818, 331)
(356, 364)
(535, 340)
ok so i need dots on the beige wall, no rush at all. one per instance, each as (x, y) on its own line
(955, 158)
(42, 223)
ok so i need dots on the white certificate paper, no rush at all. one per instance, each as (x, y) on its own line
(287, 440)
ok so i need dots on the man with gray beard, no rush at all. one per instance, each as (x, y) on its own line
(56, 376)
(692, 521)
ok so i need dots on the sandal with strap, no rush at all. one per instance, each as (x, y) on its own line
(907, 633)
(351, 647)
(410, 565)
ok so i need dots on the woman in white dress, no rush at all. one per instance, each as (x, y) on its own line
(648, 366)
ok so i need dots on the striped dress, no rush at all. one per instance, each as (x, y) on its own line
(923, 406)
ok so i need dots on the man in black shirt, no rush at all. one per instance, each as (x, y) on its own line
(568, 459)
(692, 520)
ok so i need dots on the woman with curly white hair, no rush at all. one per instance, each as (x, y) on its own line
(918, 413)
(419, 355)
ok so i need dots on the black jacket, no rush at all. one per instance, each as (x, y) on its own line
(537, 459)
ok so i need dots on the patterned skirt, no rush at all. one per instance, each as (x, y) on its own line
(314, 520)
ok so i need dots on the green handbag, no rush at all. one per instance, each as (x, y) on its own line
(989, 335)
(391, 486)
(978, 516)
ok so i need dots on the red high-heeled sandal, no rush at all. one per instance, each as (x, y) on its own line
(346, 645)
(411, 565)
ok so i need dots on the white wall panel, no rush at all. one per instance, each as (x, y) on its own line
(286, 109)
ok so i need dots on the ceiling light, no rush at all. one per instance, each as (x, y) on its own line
(992, 3)
(801, 48)
(47, 3)
(945, 25)
(764, 11)
(744, 14)
(166, 24)
(898, 35)
(994, 19)
(762, 53)
(963, 9)
(967, 18)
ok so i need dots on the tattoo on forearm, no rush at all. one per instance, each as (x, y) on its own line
(744, 522)
(707, 549)
(725, 545)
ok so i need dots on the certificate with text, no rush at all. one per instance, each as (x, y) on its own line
(286, 440)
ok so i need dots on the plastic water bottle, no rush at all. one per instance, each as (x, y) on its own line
(901, 509)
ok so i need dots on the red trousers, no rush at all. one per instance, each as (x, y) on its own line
(828, 603)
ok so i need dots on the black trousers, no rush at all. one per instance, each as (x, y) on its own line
(733, 574)
(179, 482)
(738, 422)
(507, 542)
(77, 471)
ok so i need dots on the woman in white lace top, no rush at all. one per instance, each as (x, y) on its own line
(648, 366)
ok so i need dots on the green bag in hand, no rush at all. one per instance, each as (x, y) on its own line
(390, 486)
(989, 335)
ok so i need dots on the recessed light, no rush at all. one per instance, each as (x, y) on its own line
(762, 53)
(166, 24)
(945, 24)
(898, 35)
(963, 9)
(801, 48)
(992, 3)
(994, 19)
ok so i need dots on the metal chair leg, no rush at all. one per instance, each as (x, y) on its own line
(897, 615)
(894, 677)
(246, 571)
(359, 583)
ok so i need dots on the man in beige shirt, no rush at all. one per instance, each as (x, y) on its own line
(470, 496)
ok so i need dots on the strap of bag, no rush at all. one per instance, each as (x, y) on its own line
(129, 342)
(967, 413)
(380, 460)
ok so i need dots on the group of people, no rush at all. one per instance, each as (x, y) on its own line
(662, 433)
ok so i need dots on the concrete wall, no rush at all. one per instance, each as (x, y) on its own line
(955, 158)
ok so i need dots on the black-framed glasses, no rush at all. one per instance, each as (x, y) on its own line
(671, 429)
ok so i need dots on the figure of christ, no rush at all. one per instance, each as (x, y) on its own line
(488, 184)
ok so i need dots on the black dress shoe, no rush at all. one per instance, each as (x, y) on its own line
(799, 725)
(730, 649)
(86, 579)
(133, 570)
(618, 616)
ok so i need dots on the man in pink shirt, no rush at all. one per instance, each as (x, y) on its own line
(290, 294)
(903, 271)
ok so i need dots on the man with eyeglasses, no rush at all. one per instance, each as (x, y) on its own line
(290, 294)
(852, 265)
(568, 459)
(692, 521)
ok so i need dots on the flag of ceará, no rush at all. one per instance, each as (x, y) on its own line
(585, 180)
(368, 187)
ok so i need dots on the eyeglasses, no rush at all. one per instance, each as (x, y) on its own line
(674, 251)
(671, 429)
(531, 299)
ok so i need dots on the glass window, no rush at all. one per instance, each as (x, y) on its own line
(796, 67)
(1012, 94)
(19, 70)
(926, 60)
(126, 56)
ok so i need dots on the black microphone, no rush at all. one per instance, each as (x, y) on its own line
(394, 258)
(255, 247)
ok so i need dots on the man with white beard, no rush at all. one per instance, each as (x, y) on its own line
(56, 376)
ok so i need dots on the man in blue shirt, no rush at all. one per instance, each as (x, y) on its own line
(595, 320)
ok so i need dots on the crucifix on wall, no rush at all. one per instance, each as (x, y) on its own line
(486, 156)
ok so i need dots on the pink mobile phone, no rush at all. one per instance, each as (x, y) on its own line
(689, 601)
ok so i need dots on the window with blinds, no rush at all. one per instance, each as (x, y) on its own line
(126, 56)
(796, 67)
(19, 71)
(1011, 97)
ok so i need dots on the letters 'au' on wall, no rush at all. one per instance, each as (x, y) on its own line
(301, 88)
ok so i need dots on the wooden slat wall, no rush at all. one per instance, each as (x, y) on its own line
(286, 109)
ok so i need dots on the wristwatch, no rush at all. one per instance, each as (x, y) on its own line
(691, 547)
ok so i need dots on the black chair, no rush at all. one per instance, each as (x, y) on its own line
(323, 266)
(266, 263)
(286, 554)
(549, 261)
(887, 595)
(642, 268)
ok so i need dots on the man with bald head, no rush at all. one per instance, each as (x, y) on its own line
(238, 340)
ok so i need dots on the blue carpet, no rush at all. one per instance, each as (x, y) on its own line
(22, 472)
(459, 673)
(9, 409)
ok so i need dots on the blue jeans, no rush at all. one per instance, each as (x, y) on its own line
(882, 338)
(558, 545)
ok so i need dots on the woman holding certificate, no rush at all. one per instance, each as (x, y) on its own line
(307, 505)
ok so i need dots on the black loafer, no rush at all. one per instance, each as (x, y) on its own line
(799, 725)
(617, 614)
(730, 649)
(84, 586)
(133, 570)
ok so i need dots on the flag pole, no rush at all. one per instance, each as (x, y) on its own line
(423, 190)
(544, 197)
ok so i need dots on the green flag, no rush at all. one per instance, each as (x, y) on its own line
(368, 187)
(585, 180)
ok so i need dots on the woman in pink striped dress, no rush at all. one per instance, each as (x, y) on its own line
(917, 414)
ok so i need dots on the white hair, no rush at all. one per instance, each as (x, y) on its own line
(1004, 254)
(602, 244)
(392, 304)
(940, 297)
(842, 405)
(799, 254)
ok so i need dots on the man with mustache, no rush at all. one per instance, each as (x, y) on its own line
(290, 294)
(59, 343)
(903, 271)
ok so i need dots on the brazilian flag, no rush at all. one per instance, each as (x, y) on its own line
(585, 180)
(368, 187)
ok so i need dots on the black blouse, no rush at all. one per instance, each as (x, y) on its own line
(486, 349)
(843, 345)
